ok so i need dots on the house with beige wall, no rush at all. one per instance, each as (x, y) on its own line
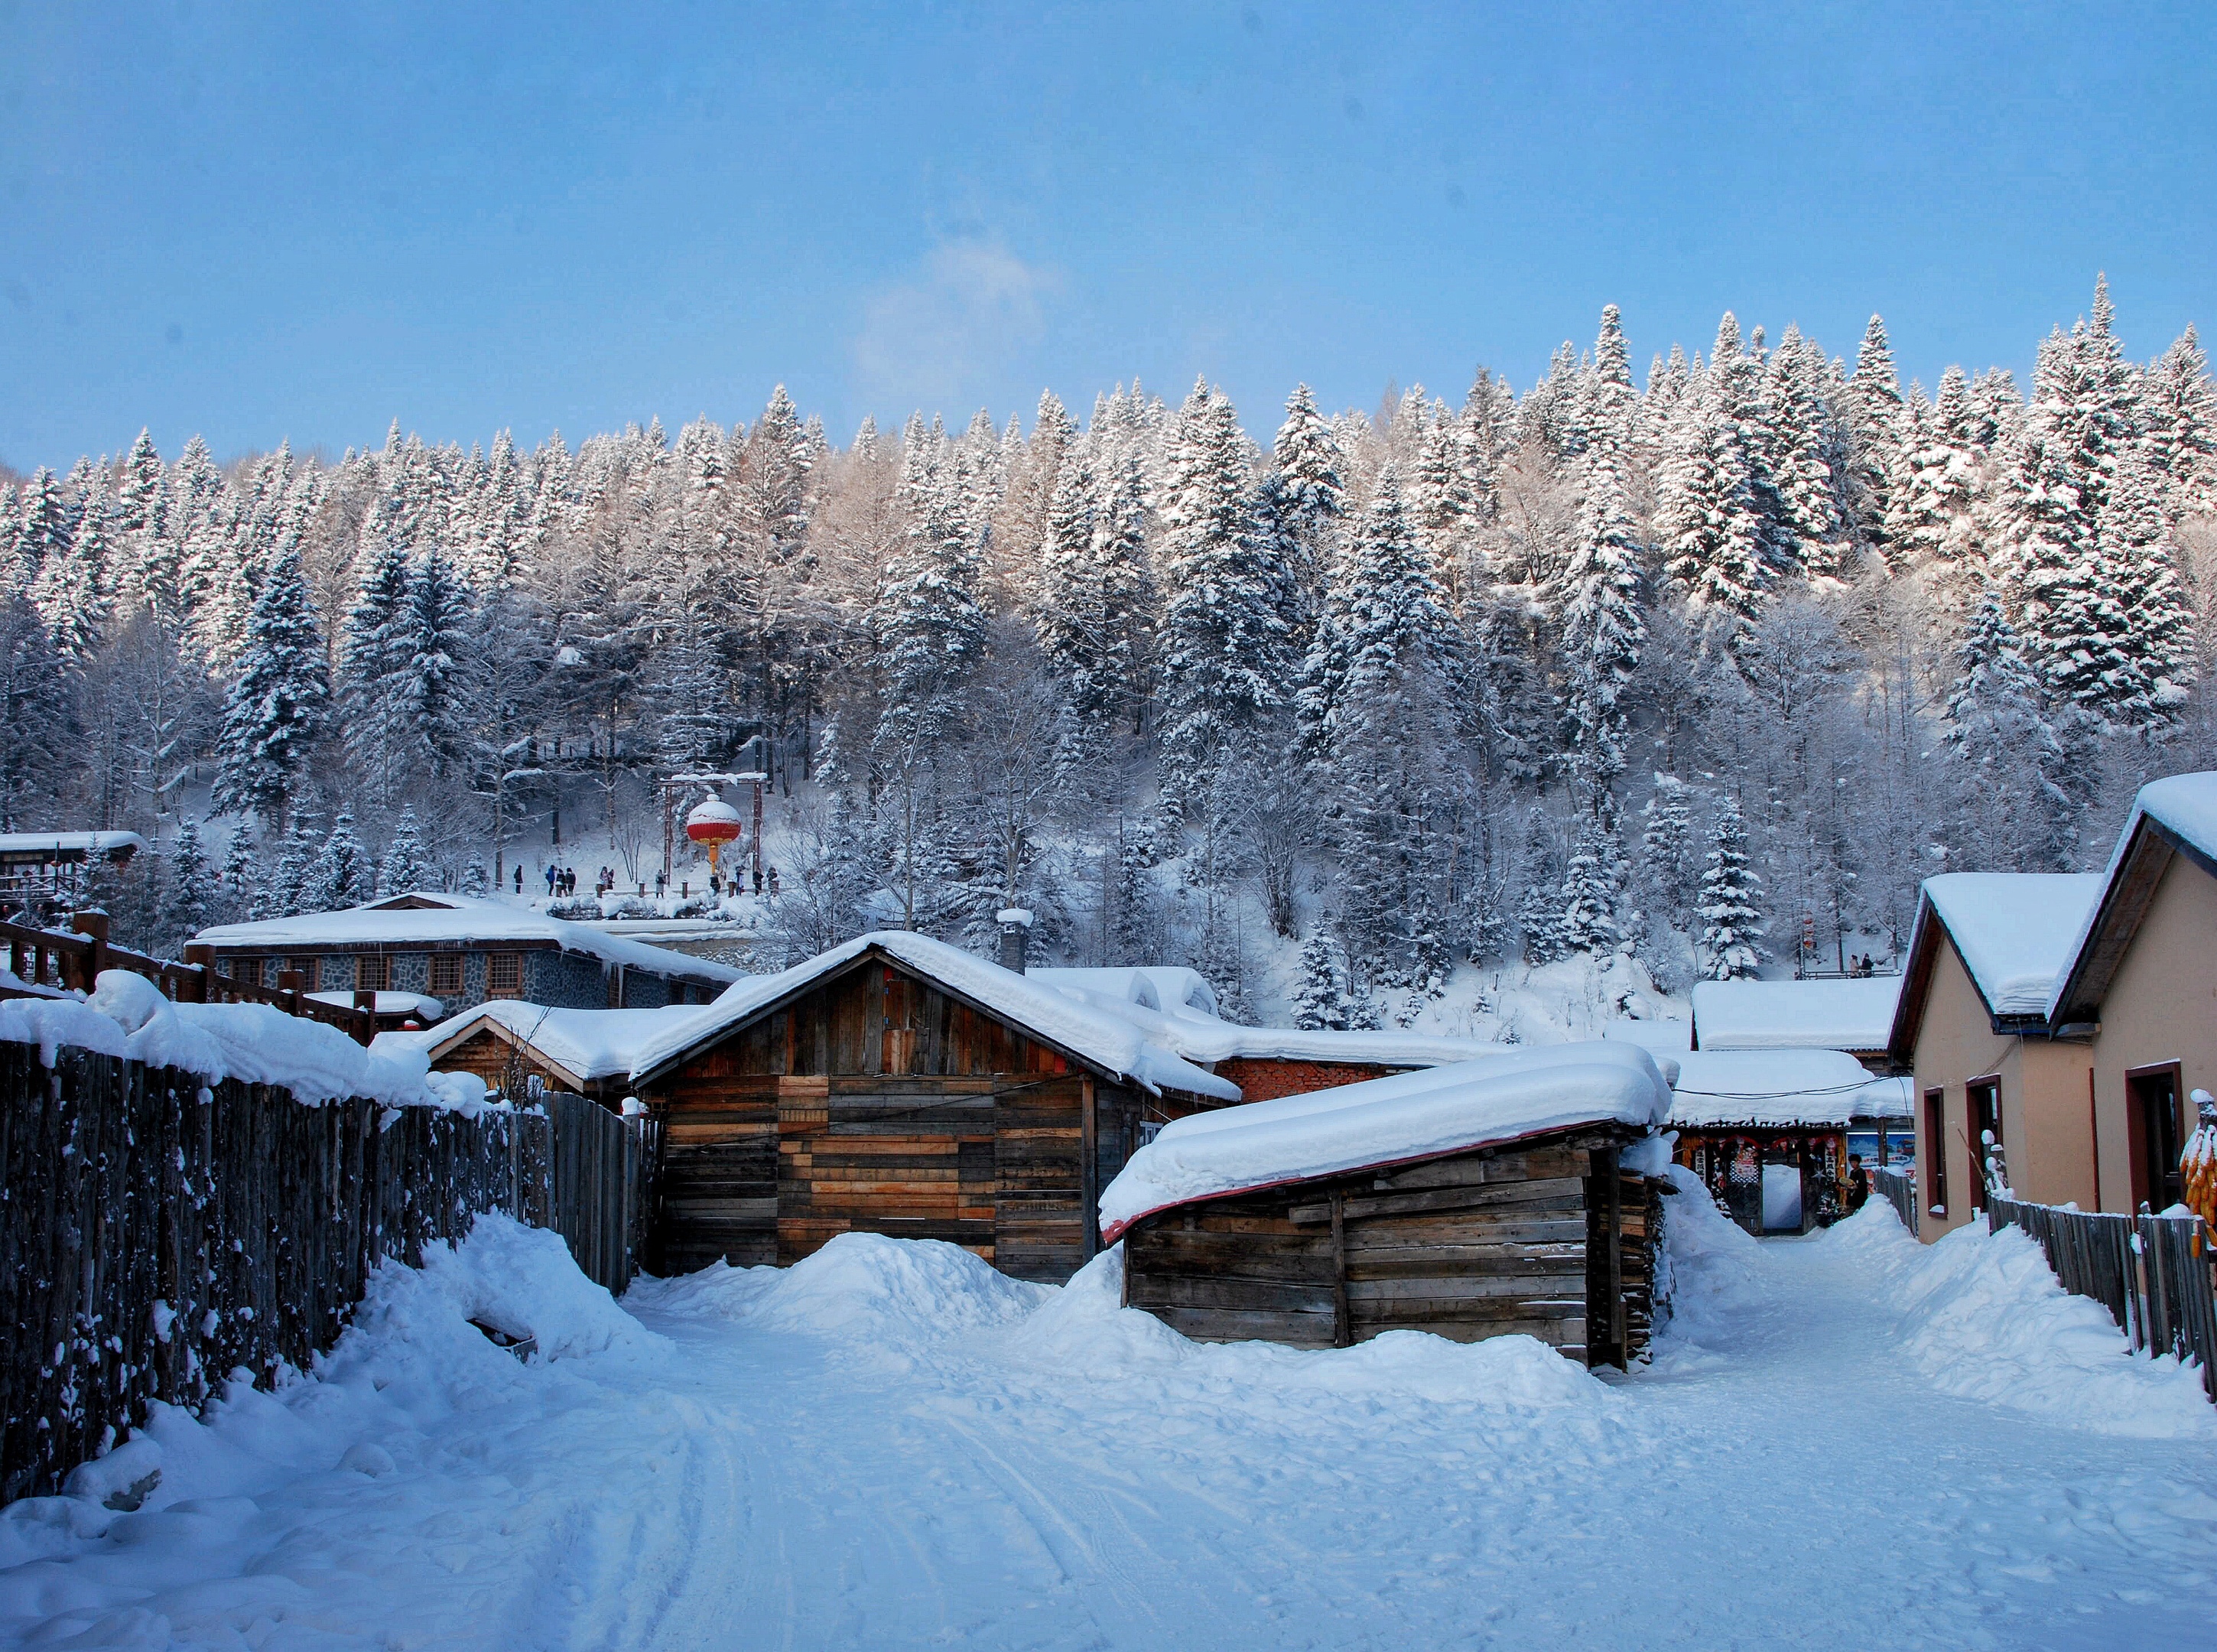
(1971, 1028)
(2075, 1016)
(2142, 983)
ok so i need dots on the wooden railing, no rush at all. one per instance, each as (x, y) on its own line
(2155, 1274)
(1899, 1189)
(73, 960)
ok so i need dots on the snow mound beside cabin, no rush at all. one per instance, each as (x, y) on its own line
(1984, 1316)
(1084, 1328)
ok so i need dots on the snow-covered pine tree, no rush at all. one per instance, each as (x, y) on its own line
(1539, 909)
(1603, 626)
(435, 674)
(1871, 409)
(284, 892)
(38, 719)
(189, 898)
(1224, 649)
(42, 531)
(1808, 456)
(1732, 924)
(2179, 417)
(1669, 878)
(2013, 786)
(928, 620)
(280, 705)
(71, 591)
(341, 876)
(406, 865)
(1593, 886)
(1708, 529)
(373, 660)
(1321, 999)
(238, 892)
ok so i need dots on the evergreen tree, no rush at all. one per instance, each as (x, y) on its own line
(1732, 925)
(2179, 414)
(42, 532)
(240, 886)
(278, 707)
(1540, 910)
(2015, 785)
(341, 876)
(1708, 529)
(1224, 646)
(1593, 884)
(1666, 852)
(71, 591)
(1873, 408)
(435, 678)
(38, 720)
(284, 894)
(1321, 1000)
(1807, 455)
(189, 901)
(406, 866)
(1602, 627)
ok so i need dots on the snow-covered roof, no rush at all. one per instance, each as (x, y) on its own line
(1152, 986)
(1672, 1038)
(589, 1044)
(1795, 1014)
(1894, 1097)
(1529, 1090)
(2015, 930)
(1785, 1087)
(421, 1004)
(431, 919)
(1097, 1035)
(19, 843)
(2184, 807)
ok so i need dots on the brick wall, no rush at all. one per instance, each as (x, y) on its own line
(1266, 1081)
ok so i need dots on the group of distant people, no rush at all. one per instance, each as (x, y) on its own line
(562, 882)
(1860, 968)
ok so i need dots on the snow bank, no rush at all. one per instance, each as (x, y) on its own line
(127, 1016)
(1982, 1316)
(524, 1282)
(1410, 1116)
(2015, 930)
(866, 1286)
(1707, 1271)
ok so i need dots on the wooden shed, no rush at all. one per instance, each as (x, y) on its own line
(1471, 1201)
(895, 1085)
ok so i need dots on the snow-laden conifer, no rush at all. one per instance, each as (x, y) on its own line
(278, 708)
(1732, 924)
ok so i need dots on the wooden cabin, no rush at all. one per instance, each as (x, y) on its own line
(1513, 1229)
(1767, 1130)
(899, 1086)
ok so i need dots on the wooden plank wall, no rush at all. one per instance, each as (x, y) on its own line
(1473, 1247)
(876, 1104)
(158, 1233)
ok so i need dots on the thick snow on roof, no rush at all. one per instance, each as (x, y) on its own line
(1795, 1014)
(421, 1004)
(1887, 1098)
(591, 1043)
(1528, 1091)
(457, 918)
(2017, 931)
(2187, 804)
(1768, 1086)
(127, 1016)
(1172, 989)
(1109, 1040)
(1197, 1035)
(85, 843)
(1657, 1037)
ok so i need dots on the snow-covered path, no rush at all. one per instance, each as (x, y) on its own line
(805, 1464)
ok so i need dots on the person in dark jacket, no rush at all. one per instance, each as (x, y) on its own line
(1858, 1183)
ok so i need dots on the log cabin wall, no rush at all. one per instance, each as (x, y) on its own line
(875, 1103)
(487, 1055)
(1479, 1245)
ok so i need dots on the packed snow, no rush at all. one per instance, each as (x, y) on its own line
(590, 1044)
(127, 1016)
(892, 1446)
(2015, 930)
(1848, 1014)
(1387, 1121)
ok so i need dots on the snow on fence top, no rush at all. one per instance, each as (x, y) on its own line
(433, 920)
(127, 1016)
(1767, 1087)
(2185, 806)
(1527, 1092)
(2015, 930)
(589, 1044)
(1108, 1040)
(1795, 1014)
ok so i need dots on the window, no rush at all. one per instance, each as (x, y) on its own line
(504, 975)
(1982, 1109)
(373, 972)
(305, 969)
(1933, 1149)
(445, 974)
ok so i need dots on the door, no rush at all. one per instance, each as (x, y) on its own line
(2154, 1094)
(1983, 1099)
(1934, 1151)
(1782, 1198)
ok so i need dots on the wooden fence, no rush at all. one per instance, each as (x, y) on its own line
(158, 1233)
(73, 961)
(2155, 1274)
(1900, 1191)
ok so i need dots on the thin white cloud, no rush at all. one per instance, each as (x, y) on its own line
(930, 341)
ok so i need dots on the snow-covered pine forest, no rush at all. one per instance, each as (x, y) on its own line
(1701, 667)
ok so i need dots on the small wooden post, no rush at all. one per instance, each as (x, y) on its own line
(1605, 1162)
(201, 957)
(93, 925)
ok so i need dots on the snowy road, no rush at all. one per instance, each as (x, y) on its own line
(804, 1465)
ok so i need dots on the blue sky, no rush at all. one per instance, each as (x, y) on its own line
(258, 222)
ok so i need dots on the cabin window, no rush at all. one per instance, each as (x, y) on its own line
(1934, 1150)
(504, 975)
(307, 970)
(373, 972)
(445, 974)
(2153, 1122)
(1982, 1109)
